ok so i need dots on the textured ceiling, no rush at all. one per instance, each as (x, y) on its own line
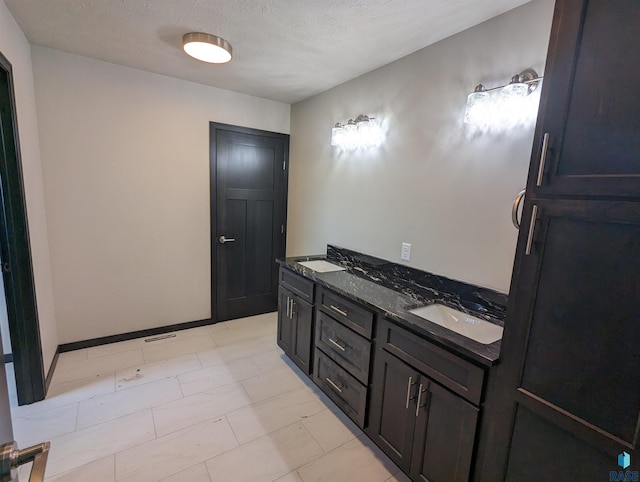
(285, 50)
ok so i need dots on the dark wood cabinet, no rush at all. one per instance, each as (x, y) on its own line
(392, 418)
(285, 322)
(295, 322)
(566, 400)
(343, 352)
(425, 429)
(588, 131)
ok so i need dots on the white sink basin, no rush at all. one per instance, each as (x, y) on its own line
(467, 325)
(321, 266)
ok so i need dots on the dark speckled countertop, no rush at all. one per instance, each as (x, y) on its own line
(394, 289)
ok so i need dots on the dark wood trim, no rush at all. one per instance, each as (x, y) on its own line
(8, 357)
(15, 249)
(52, 368)
(105, 340)
(213, 127)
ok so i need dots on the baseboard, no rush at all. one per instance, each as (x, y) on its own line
(8, 358)
(52, 368)
(105, 340)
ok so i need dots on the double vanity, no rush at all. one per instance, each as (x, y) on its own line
(406, 354)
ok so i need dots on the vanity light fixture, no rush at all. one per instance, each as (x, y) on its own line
(363, 132)
(206, 47)
(480, 102)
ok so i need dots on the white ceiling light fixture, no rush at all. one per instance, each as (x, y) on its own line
(207, 48)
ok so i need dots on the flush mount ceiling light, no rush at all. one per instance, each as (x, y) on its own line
(207, 47)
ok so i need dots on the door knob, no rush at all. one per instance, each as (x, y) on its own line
(223, 240)
(11, 458)
(516, 207)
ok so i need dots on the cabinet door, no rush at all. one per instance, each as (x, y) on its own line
(392, 415)
(445, 435)
(590, 104)
(302, 330)
(570, 359)
(285, 321)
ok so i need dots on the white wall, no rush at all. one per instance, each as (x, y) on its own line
(14, 46)
(126, 169)
(434, 183)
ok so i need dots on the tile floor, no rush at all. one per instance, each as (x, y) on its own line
(215, 403)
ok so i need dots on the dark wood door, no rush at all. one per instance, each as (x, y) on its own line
(15, 252)
(392, 414)
(248, 169)
(302, 314)
(590, 104)
(445, 435)
(570, 360)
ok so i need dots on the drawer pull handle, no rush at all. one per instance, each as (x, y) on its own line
(337, 344)
(333, 384)
(410, 383)
(418, 406)
(342, 312)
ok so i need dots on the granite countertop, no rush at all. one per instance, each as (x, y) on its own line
(368, 283)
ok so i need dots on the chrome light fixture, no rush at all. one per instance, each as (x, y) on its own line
(363, 132)
(477, 104)
(207, 48)
(480, 104)
(521, 84)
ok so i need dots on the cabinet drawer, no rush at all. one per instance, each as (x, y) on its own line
(349, 313)
(347, 392)
(458, 375)
(301, 286)
(350, 350)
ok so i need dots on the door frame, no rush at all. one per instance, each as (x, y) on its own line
(15, 245)
(214, 127)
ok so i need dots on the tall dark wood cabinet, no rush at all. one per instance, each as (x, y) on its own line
(566, 401)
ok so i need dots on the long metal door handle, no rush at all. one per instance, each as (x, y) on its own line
(516, 208)
(342, 312)
(333, 384)
(223, 240)
(11, 458)
(532, 228)
(418, 407)
(409, 385)
(293, 303)
(337, 344)
(543, 158)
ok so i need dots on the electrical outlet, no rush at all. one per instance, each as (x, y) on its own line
(405, 253)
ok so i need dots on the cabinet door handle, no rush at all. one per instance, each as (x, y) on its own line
(288, 300)
(342, 312)
(293, 303)
(337, 344)
(410, 383)
(418, 406)
(543, 158)
(532, 228)
(333, 384)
